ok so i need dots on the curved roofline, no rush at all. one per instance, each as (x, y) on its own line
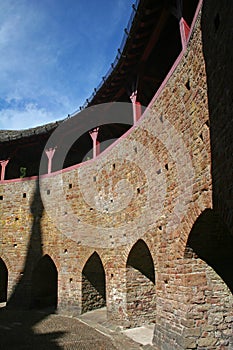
(76, 166)
(121, 57)
(117, 58)
(8, 135)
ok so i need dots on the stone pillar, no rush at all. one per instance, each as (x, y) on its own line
(137, 109)
(50, 153)
(184, 32)
(96, 143)
(3, 165)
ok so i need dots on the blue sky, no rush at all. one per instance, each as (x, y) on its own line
(53, 53)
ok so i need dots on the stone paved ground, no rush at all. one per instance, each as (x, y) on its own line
(33, 330)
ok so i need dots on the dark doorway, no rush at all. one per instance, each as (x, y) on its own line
(140, 283)
(93, 284)
(3, 281)
(44, 284)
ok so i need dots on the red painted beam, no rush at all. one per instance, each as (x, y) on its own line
(184, 32)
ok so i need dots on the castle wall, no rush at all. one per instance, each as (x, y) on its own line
(153, 185)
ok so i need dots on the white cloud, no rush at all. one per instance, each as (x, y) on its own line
(53, 55)
(31, 115)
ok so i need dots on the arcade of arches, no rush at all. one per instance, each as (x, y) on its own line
(204, 285)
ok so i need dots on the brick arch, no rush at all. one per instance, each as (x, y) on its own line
(148, 240)
(6, 261)
(93, 284)
(3, 281)
(53, 256)
(207, 279)
(141, 259)
(89, 252)
(152, 244)
(44, 284)
(190, 289)
(211, 241)
(140, 285)
(184, 229)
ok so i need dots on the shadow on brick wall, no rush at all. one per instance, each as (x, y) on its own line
(34, 297)
(217, 226)
(217, 39)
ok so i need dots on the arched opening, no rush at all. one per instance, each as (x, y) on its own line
(209, 280)
(3, 281)
(44, 284)
(93, 284)
(140, 283)
(211, 241)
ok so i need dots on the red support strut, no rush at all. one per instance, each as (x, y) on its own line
(50, 153)
(184, 32)
(3, 165)
(137, 108)
(96, 143)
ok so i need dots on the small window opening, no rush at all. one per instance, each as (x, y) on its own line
(188, 85)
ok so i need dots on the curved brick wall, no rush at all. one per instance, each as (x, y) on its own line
(156, 182)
